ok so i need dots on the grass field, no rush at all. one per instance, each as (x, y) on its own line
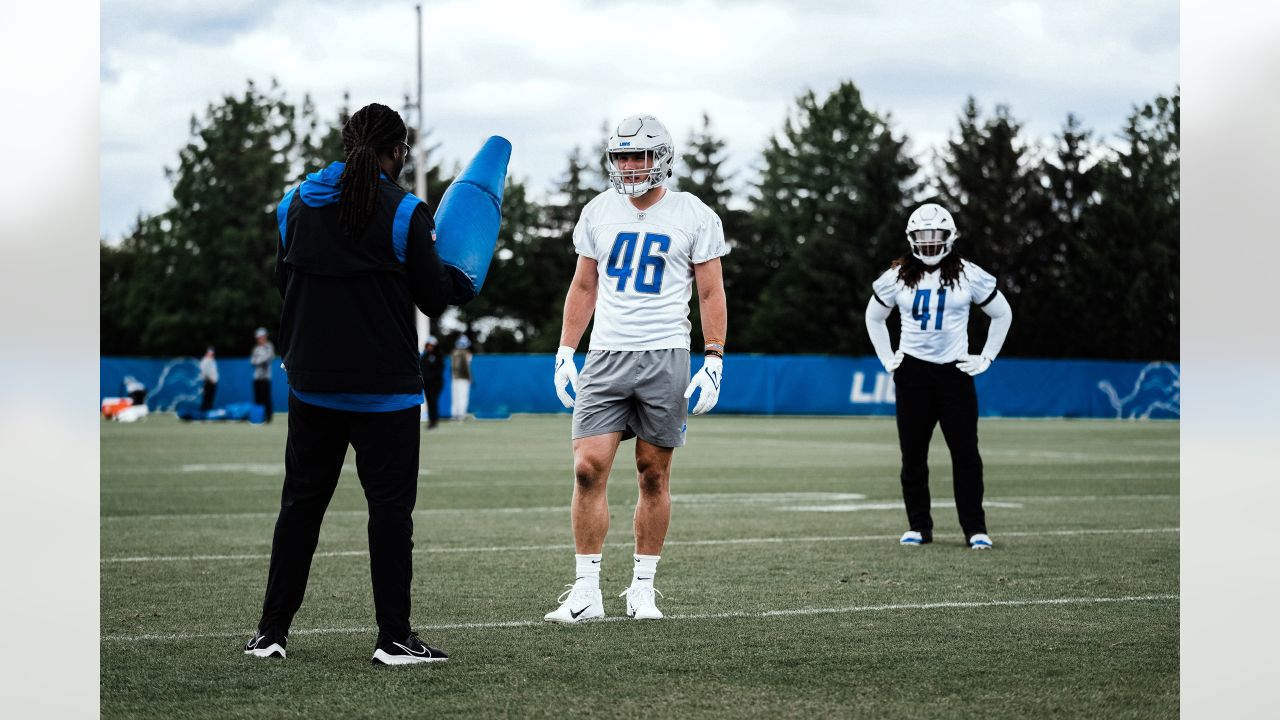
(786, 592)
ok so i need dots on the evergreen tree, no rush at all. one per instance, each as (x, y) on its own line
(199, 273)
(321, 146)
(521, 288)
(599, 180)
(701, 169)
(1130, 263)
(701, 172)
(1058, 312)
(127, 294)
(991, 181)
(830, 208)
(577, 187)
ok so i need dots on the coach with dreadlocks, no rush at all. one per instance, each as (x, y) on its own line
(356, 254)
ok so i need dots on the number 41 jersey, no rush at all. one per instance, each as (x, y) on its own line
(935, 320)
(645, 261)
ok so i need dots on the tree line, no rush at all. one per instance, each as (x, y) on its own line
(1081, 232)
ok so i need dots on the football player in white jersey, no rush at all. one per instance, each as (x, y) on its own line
(641, 247)
(932, 287)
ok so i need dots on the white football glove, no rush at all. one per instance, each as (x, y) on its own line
(894, 363)
(974, 364)
(566, 374)
(708, 380)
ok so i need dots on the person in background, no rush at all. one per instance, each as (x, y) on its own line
(932, 288)
(461, 362)
(136, 391)
(432, 363)
(209, 374)
(263, 353)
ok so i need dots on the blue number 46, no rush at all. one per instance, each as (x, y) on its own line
(920, 308)
(648, 271)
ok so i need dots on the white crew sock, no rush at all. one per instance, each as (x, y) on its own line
(646, 567)
(588, 570)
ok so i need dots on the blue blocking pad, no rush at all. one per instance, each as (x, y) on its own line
(469, 216)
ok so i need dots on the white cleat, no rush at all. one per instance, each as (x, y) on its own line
(980, 541)
(640, 603)
(577, 604)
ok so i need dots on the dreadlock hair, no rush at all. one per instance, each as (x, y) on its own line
(911, 268)
(372, 129)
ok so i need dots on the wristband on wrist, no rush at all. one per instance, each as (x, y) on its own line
(713, 346)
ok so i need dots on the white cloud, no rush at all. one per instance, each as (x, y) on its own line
(547, 74)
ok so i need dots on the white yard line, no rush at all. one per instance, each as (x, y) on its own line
(762, 615)
(686, 502)
(727, 541)
(889, 505)
(1084, 498)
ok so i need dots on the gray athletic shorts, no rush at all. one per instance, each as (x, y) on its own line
(639, 393)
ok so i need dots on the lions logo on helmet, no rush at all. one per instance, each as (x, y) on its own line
(931, 232)
(636, 134)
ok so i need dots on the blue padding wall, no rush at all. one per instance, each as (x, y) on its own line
(753, 384)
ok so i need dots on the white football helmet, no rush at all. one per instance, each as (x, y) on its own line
(931, 232)
(640, 133)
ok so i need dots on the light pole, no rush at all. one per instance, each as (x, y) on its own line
(420, 169)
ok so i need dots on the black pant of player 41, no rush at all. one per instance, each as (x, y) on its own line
(930, 394)
(386, 445)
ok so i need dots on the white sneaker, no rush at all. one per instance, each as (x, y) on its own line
(577, 604)
(980, 541)
(640, 603)
(912, 537)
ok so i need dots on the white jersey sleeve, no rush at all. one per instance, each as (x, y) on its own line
(582, 237)
(885, 287)
(708, 239)
(982, 284)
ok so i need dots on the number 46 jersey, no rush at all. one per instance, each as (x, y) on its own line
(935, 320)
(645, 262)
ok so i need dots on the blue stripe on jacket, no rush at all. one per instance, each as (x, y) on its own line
(361, 402)
(400, 227)
(282, 213)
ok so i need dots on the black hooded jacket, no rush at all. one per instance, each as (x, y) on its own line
(348, 324)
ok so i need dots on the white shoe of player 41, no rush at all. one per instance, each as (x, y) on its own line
(640, 602)
(577, 604)
(980, 541)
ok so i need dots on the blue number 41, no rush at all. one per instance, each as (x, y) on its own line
(648, 271)
(920, 308)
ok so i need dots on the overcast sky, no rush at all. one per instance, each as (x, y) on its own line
(546, 75)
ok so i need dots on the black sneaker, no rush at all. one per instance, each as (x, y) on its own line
(266, 645)
(405, 652)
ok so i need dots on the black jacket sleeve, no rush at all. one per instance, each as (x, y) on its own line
(281, 274)
(430, 281)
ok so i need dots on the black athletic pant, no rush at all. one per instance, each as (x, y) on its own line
(386, 446)
(929, 394)
(262, 396)
(210, 391)
(433, 400)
